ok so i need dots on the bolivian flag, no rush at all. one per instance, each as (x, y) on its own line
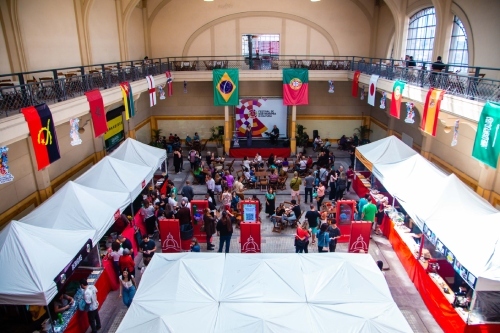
(431, 111)
(128, 100)
(226, 86)
(295, 86)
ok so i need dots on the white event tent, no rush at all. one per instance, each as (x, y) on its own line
(287, 292)
(133, 151)
(31, 258)
(77, 207)
(387, 150)
(115, 175)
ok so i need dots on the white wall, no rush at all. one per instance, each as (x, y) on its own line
(135, 36)
(103, 32)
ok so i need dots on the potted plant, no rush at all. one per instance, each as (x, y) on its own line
(218, 138)
(363, 132)
(302, 138)
(156, 138)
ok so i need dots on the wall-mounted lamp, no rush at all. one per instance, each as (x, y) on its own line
(81, 129)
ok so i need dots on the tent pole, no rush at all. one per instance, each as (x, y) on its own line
(51, 321)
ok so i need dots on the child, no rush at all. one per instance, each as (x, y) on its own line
(195, 247)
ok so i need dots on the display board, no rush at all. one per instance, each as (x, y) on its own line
(115, 133)
(261, 114)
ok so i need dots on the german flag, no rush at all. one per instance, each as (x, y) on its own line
(43, 134)
(128, 100)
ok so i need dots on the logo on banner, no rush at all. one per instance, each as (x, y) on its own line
(295, 83)
(251, 246)
(170, 244)
(359, 245)
(45, 139)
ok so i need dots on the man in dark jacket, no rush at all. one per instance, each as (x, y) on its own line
(187, 191)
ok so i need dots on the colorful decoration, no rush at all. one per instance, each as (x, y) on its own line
(454, 141)
(487, 143)
(170, 79)
(128, 100)
(161, 91)
(151, 90)
(5, 175)
(43, 134)
(97, 112)
(372, 89)
(410, 114)
(295, 86)
(382, 100)
(331, 88)
(226, 86)
(246, 116)
(74, 125)
(431, 111)
(362, 97)
(397, 95)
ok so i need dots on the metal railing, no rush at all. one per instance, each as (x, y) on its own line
(56, 85)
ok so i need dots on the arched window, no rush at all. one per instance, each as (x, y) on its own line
(421, 32)
(459, 50)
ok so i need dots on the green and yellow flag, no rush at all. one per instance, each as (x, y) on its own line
(226, 86)
(487, 142)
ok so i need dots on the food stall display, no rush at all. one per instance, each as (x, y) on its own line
(447, 238)
(250, 239)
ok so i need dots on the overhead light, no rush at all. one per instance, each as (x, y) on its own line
(311, 0)
(208, 0)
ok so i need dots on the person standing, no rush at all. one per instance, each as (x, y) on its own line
(350, 177)
(270, 202)
(368, 212)
(209, 224)
(379, 216)
(362, 202)
(90, 298)
(301, 238)
(147, 248)
(224, 231)
(309, 184)
(226, 198)
(126, 262)
(127, 287)
(177, 160)
(187, 191)
(312, 217)
(323, 238)
(248, 134)
(321, 194)
(184, 213)
(210, 187)
(333, 185)
(334, 233)
(341, 185)
(295, 187)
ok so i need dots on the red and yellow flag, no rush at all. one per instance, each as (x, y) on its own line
(431, 111)
(355, 83)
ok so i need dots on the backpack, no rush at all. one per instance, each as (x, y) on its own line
(80, 301)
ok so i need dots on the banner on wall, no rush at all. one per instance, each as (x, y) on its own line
(372, 90)
(5, 175)
(226, 86)
(487, 143)
(260, 114)
(431, 111)
(397, 94)
(355, 82)
(295, 86)
(115, 133)
(97, 111)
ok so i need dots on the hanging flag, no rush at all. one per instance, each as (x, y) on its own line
(162, 92)
(355, 83)
(397, 93)
(128, 100)
(295, 86)
(362, 97)
(43, 134)
(454, 141)
(5, 175)
(151, 90)
(170, 79)
(410, 113)
(372, 90)
(431, 111)
(331, 87)
(97, 112)
(382, 100)
(225, 86)
(487, 142)
(74, 126)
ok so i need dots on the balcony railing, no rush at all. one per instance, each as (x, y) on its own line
(18, 90)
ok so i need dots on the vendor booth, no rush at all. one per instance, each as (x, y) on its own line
(446, 237)
(215, 292)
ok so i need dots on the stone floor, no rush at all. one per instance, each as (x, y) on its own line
(403, 291)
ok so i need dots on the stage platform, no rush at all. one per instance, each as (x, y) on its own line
(263, 147)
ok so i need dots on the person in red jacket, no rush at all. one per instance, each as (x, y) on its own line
(126, 261)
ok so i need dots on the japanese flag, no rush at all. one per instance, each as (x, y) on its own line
(372, 89)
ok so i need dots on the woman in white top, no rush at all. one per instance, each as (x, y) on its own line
(172, 202)
(246, 162)
(127, 287)
(116, 253)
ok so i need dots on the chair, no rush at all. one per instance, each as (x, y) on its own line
(209, 64)
(263, 183)
(178, 65)
(194, 66)
(281, 183)
(279, 224)
(47, 87)
(229, 166)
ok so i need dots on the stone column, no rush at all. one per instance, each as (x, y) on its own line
(293, 140)
(227, 130)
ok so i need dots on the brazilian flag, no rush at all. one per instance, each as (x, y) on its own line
(226, 86)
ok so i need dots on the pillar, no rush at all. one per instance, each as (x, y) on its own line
(485, 181)
(227, 130)
(293, 140)
(121, 31)
(426, 145)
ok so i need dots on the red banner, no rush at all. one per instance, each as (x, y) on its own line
(355, 83)
(344, 216)
(360, 237)
(170, 235)
(250, 238)
(97, 111)
(43, 134)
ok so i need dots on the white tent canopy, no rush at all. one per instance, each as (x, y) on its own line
(114, 175)
(387, 150)
(31, 257)
(201, 292)
(76, 207)
(133, 151)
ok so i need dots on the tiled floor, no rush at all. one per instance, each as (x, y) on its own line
(402, 289)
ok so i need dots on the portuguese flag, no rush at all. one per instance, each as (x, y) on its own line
(225, 86)
(43, 134)
(295, 86)
(397, 96)
(128, 100)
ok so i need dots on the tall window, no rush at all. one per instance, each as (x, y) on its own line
(421, 32)
(262, 44)
(459, 51)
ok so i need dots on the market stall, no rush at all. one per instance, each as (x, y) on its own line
(215, 292)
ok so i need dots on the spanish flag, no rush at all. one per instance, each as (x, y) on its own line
(43, 134)
(355, 84)
(431, 111)
(128, 100)
(226, 86)
(295, 86)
